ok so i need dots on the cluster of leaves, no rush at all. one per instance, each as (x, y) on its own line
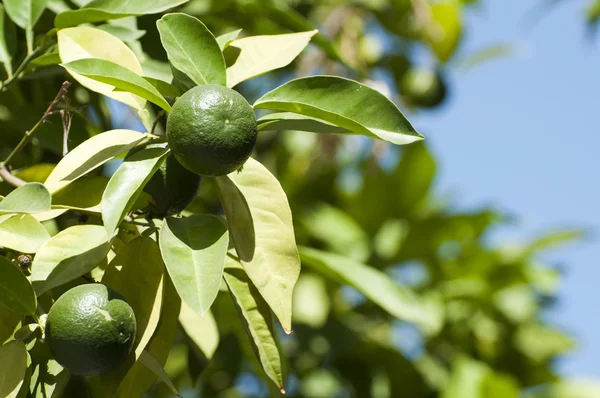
(472, 312)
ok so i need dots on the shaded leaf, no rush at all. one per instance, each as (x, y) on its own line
(193, 249)
(13, 364)
(127, 183)
(84, 42)
(225, 39)
(8, 40)
(22, 233)
(25, 13)
(192, 48)
(68, 255)
(295, 122)
(256, 317)
(202, 330)
(152, 363)
(29, 198)
(121, 78)
(15, 290)
(91, 154)
(84, 194)
(263, 234)
(261, 54)
(334, 100)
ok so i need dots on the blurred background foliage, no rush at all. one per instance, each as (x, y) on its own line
(365, 200)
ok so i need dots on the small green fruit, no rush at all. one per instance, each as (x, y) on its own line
(423, 88)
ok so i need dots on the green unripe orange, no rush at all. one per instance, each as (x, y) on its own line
(423, 88)
(90, 329)
(211, 130)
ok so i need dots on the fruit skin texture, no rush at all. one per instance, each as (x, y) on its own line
(211, 130)
(172, 187)
(90, 329)
(423, 88)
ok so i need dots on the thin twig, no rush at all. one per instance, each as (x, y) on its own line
(61, 93)
(10, 177)
(66, 122)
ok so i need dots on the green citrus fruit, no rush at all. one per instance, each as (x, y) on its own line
(211, 130)
(172, 187)
(423, 88)
(90, 329)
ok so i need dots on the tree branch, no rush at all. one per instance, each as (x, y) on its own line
(10, 177)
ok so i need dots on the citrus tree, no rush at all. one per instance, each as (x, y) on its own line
(174, 254)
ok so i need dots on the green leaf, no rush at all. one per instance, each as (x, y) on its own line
(192, 48)
(467, 379)
(256, 317)
(573, 388)
(164, 88)
(125, 29)
(140, 378)
(22, 233)
(444, 32)
(9, 322)
(487, 54)
(15, 290)
(263, 234)
(193, 249)
(541, 343)
(29, 198)
(84, 194)
(293, 121)
(104, 10)
(311, 301)
(261, 54)
(374, 284)
(127, 183)
(84, 42)
(152, 363)
(13, 364)
(8, 40)
(122, 78)
(202, 330)
(137, 272)
(68, 255)
(91, 154)
(225, 39)
(334, 100)
(25, 13)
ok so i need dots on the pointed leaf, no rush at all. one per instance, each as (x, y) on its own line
(25, 13)
(122, 78)
(8, 40)
(104, 10)
(293, 121)
(29, 198)
(22, 233)
(84, 194)
(140, 378)
(263, 234)
(374, 284)
(15, 290)
(193, 250)
(202, 330)
(137, 272)
(91, 154)
(13, 364)
(68, 255)
(262, 54)
(225, 39)
(343, 103)
(444, 32)
(256, 317)
(152, 363)
(84, 42)
(192, 48)
(127, 183)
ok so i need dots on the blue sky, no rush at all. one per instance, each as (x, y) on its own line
(521, 134)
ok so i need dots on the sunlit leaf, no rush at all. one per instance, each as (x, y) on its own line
(29, 198)
(84, 42)
(202, 330)
(225, 39)
(127, 183)
(25, 13)
(22, 232)
(293, 121)
(193, 249)
(444, 32)
(192, 48)
(68, 255)
(334, 100)
(121, 78)
(263, 234)
(91, 154)
(15, 290)
(261, 54)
